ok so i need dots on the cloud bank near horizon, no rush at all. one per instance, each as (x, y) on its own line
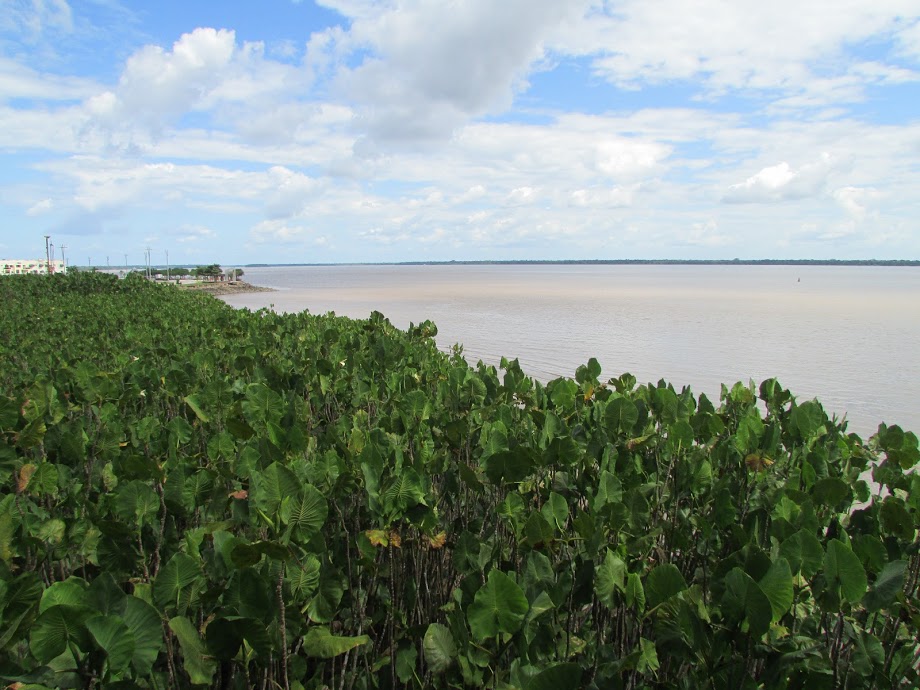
(358, 130)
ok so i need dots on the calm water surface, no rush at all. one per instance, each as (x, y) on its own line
(849, 336)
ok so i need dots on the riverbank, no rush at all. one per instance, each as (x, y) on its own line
(224, 288)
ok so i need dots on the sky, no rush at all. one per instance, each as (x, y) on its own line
(335, 131)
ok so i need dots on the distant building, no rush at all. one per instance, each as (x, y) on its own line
(10, 267)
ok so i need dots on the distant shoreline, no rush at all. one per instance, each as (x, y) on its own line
(622, 262)
(225, 288)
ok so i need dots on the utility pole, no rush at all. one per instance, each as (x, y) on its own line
(64, 258)
(107, 265)
(148, 263)
(167, 265)
(47, 254)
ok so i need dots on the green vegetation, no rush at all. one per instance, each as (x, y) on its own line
(198, 496)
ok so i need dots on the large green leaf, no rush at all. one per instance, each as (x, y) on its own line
(886, 586)
(272, 485)
(808, 419)
(830, 491)
(777, 586)
(440, 649)
(58, 626)
(804, 553)
(843, 569)
(559, 677)
(635, 592)
(743, 600)
(321, 643)
(44, 481)
(199, 665)
(609, 491)
(648, 656)
(556, 510)
(498, 607)
(306, 512)
(106, 595)
(224, 638)
(175, 584)
(510, 466)
(404, 492)
(52, 531)
(136, 502)
(895, 518)
(197, 488)
(621, 416)
(262, 405)
(537, 530)
(144, 625)
(9, 413)
(74, 591)
(303, 578)
(196, 402)
(114, 638)
(662, 583)
(406, 663)
(562, 392)
(325, 603)
(609, 577)
(245, 555)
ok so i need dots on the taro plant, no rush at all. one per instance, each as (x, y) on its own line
(194, 496)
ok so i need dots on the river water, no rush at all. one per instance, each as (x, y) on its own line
(849, 336)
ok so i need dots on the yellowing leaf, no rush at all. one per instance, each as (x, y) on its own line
(395, 539)
(377, 537)
(25, 475)
(437, 541)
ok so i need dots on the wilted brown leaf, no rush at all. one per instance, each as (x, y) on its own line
(757, 462)
(25, 476)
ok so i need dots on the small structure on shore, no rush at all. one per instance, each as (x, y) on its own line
(9, 267)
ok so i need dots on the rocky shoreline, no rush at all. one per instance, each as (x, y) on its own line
(234, 288)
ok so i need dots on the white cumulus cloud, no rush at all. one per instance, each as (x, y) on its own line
(279, 231)
(432, 67)
(781, 182)
(855, 200)
(39, 208)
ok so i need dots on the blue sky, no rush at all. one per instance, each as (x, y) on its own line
(402, 130)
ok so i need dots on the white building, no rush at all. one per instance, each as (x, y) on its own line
(10, 267)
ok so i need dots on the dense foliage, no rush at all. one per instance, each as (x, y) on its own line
(195, 495)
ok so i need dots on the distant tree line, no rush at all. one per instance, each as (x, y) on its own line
(685, 262)
(636, 262)
(209, 272)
